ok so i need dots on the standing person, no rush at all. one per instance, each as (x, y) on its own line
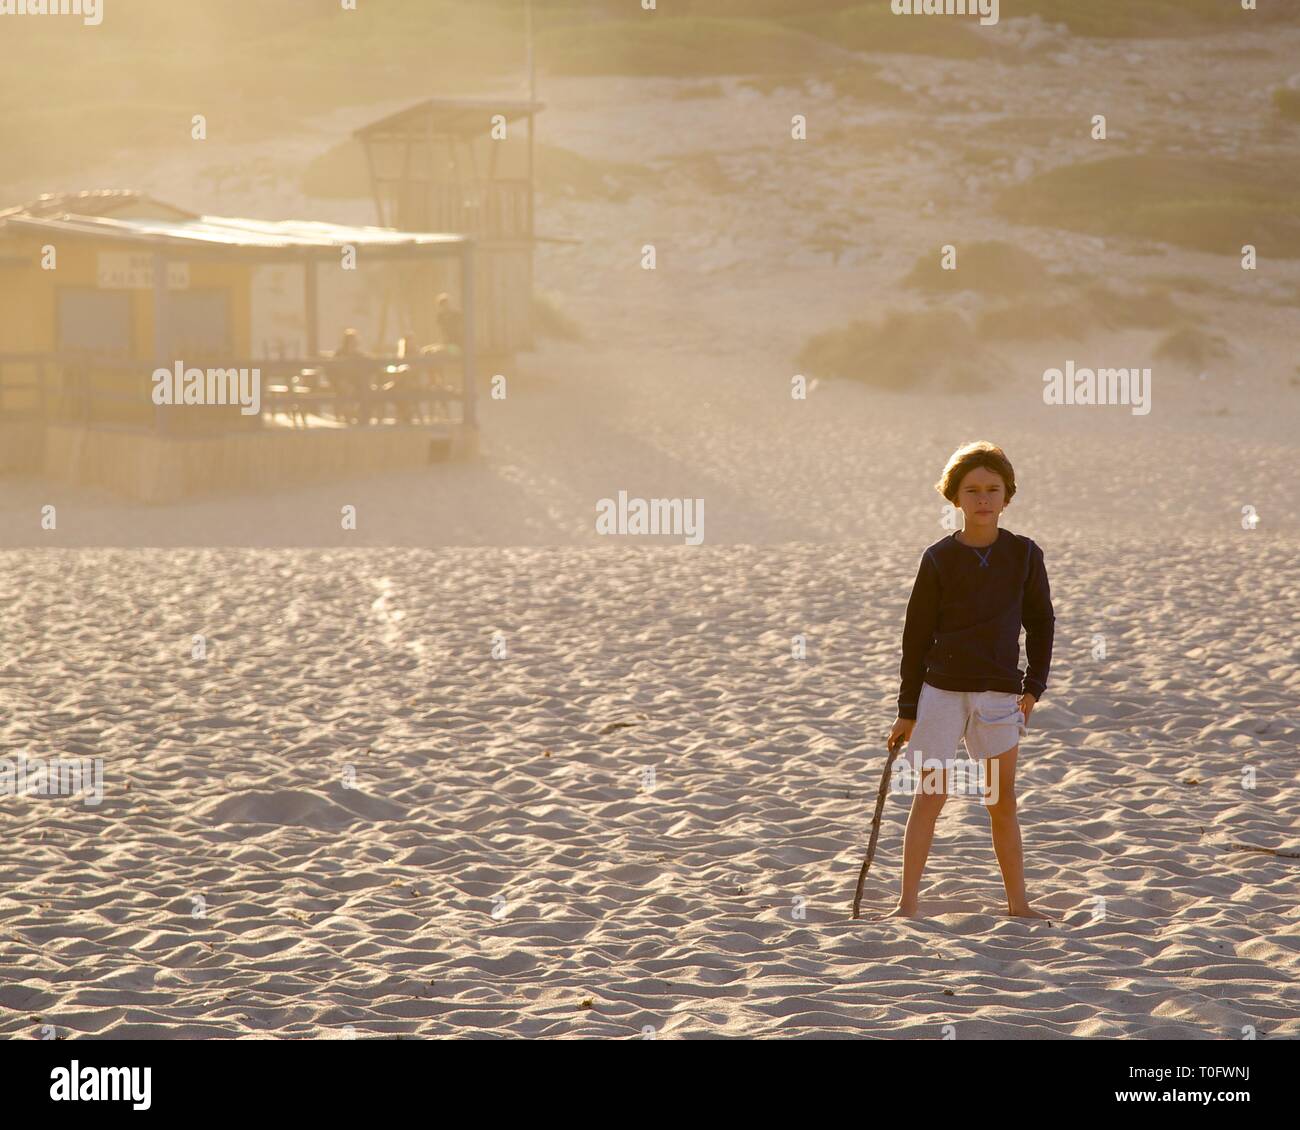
(451, 324)
(960, 675)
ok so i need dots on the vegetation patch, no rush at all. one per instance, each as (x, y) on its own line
(1191, 346)
(990, 268)
(902, 350)
(1202, 203)
(1287, 102)
(873, 27)
(1073, 314)
(684, 47)
(1121, 19)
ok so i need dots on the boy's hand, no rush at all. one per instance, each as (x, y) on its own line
(901, 733)
(1026, 705)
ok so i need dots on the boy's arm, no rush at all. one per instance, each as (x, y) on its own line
(1039, 622)
(918, 633)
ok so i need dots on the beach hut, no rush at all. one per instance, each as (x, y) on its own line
(100, 291)
(464, 165)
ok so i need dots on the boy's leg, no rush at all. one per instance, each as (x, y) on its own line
(995, 720)
(1006, 828)
(1006, 832)
(927, 802)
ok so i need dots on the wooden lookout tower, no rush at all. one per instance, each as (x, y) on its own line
(461, 165)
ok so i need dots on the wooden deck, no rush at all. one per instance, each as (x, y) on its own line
(92, 422)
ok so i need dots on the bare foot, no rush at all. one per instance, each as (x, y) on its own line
(901, 911)
(1027, 911)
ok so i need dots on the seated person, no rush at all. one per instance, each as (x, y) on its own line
(350, 376)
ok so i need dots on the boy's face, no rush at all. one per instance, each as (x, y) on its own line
(982, 496)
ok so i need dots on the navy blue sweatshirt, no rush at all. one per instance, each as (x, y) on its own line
(964, 618)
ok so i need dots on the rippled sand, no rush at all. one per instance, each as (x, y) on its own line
(642, 814)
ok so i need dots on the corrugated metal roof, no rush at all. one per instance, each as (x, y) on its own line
(235, 233)
(98, 202)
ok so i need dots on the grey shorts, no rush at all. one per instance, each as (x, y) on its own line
(988, 722)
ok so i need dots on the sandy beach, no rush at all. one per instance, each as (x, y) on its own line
(473, 769)
(644, 804)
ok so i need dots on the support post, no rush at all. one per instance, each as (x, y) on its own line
(532, 97)
(161, 339)
(469, 384)
(311, 300)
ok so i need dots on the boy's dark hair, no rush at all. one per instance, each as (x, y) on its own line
(967, 458)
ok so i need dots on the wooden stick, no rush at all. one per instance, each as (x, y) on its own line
(1232, 845)
(894, 750)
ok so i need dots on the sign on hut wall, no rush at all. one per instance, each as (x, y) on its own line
(126, 270)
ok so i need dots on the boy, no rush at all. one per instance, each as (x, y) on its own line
(960, 675)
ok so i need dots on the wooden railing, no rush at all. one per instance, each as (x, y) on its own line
(351, 392)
